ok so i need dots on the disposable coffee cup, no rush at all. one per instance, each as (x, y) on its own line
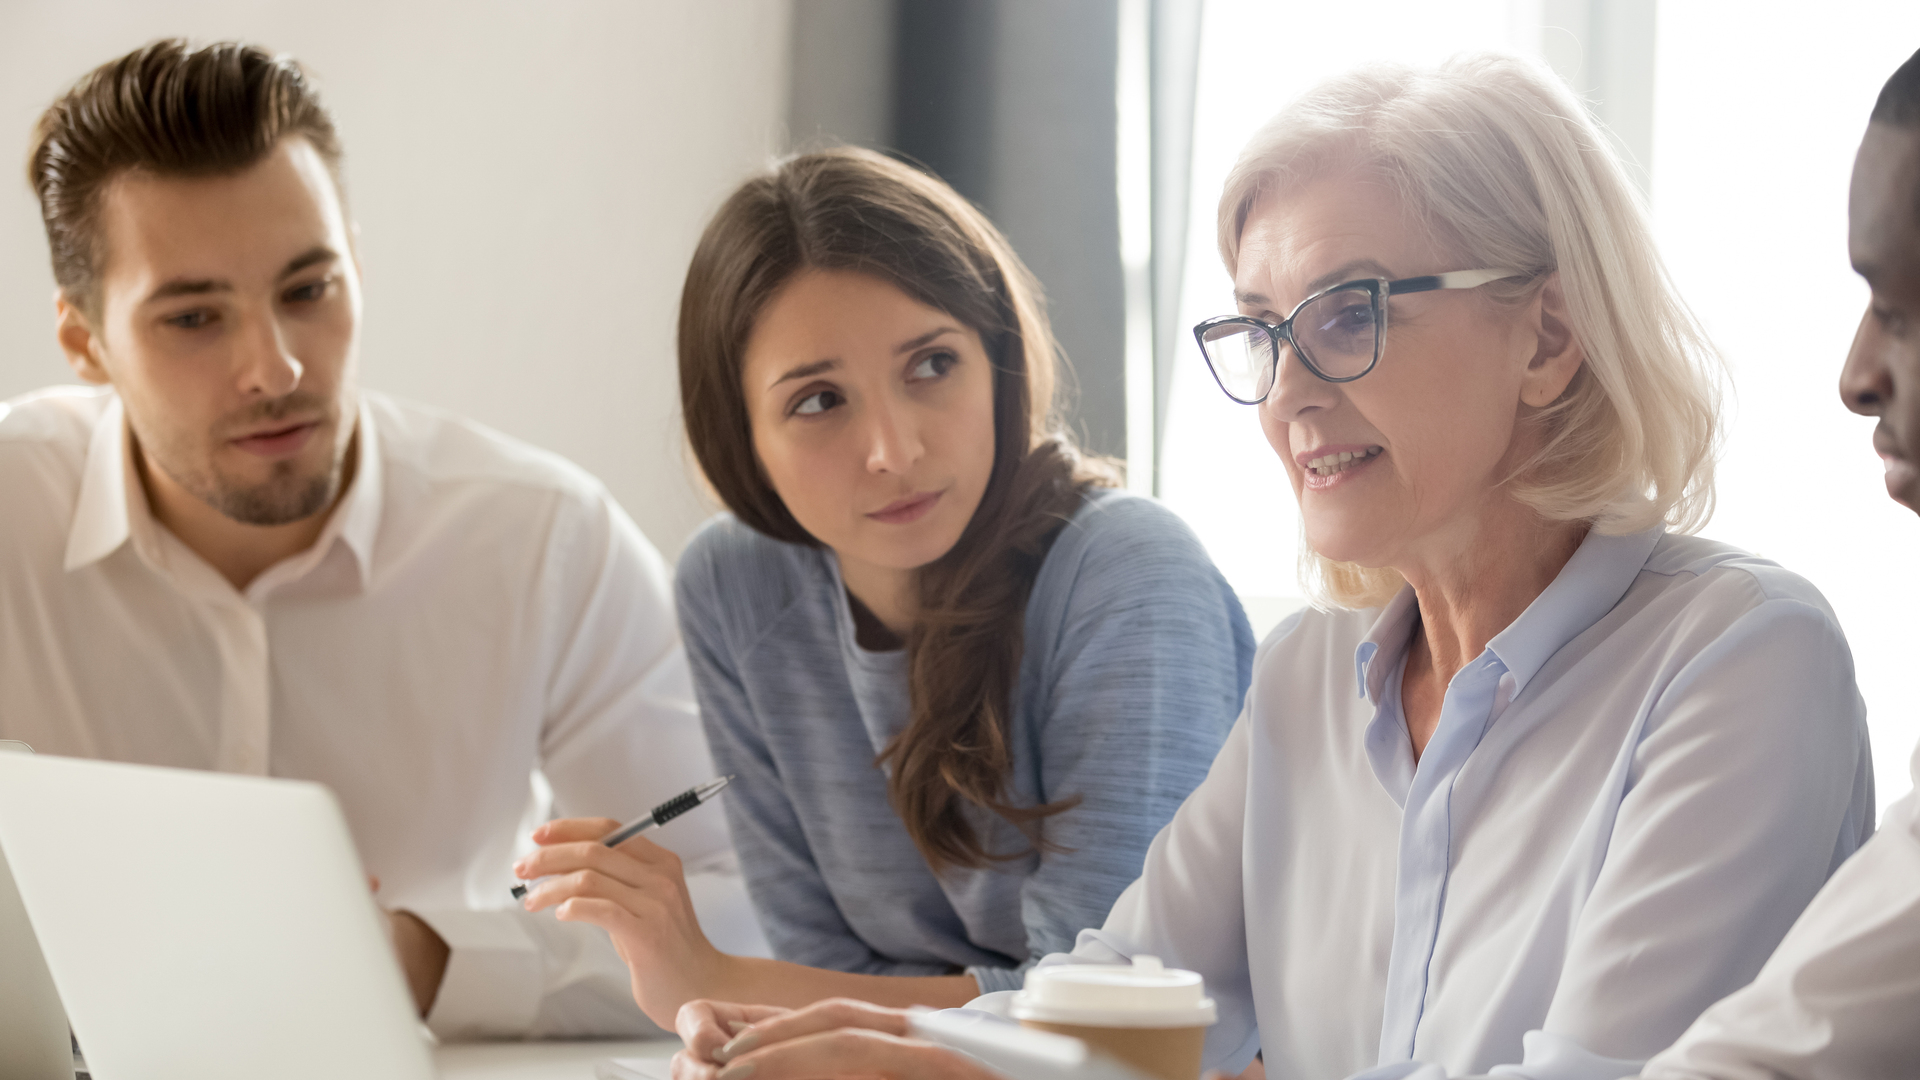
(1150, 1017)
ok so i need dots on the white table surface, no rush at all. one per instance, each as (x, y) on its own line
(538, 1061)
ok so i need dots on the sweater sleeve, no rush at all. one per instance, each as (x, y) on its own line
(803, 923)
(1188, 906)
(1146, 658)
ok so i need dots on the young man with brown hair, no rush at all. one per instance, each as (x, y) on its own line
(230, 556)
(1840, 997)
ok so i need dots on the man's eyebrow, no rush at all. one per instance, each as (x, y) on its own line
(318, 254)
(805, 371)
(202, 286)
(187, 287)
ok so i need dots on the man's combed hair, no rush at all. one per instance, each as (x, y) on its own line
(166, 109)
(1899, 101)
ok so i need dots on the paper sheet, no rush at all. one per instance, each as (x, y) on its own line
(633, 1069)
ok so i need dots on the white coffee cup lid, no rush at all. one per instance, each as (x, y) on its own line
(1145, 994)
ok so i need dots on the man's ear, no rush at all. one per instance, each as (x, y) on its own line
(77, 339)
(1557, 352)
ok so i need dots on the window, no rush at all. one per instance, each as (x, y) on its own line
(1755, 125)
(1255, 56)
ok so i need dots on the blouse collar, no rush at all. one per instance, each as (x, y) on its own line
(1592, 582)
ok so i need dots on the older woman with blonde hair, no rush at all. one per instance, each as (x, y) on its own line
(1541, 776)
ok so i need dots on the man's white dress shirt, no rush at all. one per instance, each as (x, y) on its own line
(1840, 999)
(1629, 797)
(479, 639)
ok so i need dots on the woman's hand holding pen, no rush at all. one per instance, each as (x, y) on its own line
(637, 893)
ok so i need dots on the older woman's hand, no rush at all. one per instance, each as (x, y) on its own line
(637, 893)
(706, 1026)
(832, 1038)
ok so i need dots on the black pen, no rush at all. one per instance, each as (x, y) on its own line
(660, 815)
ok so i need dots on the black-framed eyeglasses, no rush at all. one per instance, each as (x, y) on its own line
(1338, 332)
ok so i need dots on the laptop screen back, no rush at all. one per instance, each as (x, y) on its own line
(205, 926)
(33, 1029)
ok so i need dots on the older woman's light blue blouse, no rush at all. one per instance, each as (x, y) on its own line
(1630, 796)
(1136, 658)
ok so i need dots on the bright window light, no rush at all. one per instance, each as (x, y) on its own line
(1216, 469)
(1756, 119)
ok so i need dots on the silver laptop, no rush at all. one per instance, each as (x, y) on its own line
(205, 926)
(34, 1044)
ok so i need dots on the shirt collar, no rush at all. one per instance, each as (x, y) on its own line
(1390, 632)
(102, 518)
(358, 515)
(112, 509)
(1592, 582)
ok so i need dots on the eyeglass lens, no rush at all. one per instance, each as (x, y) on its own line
(1338, 332)
(1338, 335)
(1241, 355)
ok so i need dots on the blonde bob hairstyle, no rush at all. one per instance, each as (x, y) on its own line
(1504, 166)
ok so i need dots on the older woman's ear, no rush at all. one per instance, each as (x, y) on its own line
(1557, 353)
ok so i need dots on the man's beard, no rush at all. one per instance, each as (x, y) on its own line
(290, 493)
(282, 500)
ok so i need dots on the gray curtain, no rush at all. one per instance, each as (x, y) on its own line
(1173, 58)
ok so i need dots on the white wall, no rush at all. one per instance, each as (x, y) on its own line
(529, 179)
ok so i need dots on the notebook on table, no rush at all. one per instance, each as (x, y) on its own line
(1021, 1053)
(634, 1069)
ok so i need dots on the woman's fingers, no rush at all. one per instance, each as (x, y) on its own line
(630, 930)
(594, 830)
(568, 830)
(689, 1066)
(646, 899)
(830, 1015)
(563, 851)
(850, 1052)
(591, 857)
(650, 853)
(615, 918)
(707, 1025)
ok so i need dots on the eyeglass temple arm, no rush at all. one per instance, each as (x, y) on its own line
(1457, 279)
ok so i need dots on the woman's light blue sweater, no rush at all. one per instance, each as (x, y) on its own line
(1136, 657)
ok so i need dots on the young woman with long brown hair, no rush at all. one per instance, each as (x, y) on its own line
(961, 681)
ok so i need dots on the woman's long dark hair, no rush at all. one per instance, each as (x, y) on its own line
(850, 209)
